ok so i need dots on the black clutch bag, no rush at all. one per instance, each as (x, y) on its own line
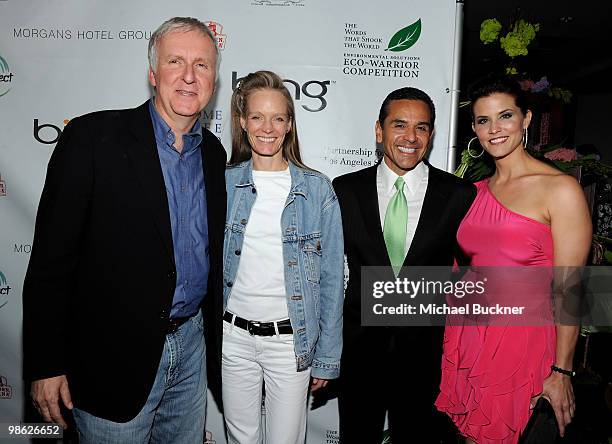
(542, 426)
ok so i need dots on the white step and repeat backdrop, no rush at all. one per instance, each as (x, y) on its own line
(63, 58)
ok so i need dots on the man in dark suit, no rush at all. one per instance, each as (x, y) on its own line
(396, 369)
(124, 280)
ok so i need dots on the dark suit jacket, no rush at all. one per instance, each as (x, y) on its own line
(101, 277)
(447, 199)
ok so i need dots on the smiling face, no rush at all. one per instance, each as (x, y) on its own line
(266, 123)
(405, 134)
(499, 124)
(184, 80)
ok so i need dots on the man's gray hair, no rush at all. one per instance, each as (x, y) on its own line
(183, 24)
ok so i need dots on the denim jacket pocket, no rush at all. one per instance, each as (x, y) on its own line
(311, 248)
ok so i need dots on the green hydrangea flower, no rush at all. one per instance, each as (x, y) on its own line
(516, 41)
(489, 30)
(513, 45)
(526, 31)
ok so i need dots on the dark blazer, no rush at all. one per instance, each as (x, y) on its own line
(447, 199)
(101, 277)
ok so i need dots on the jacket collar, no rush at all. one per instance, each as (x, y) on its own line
(298, 181)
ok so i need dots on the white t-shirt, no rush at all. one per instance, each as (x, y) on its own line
(258, 293)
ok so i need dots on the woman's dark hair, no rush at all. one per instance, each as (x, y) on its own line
(492, 84)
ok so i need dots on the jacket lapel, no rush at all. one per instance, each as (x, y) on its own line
(211, 183)
(142, 151)
(432, 203)
(370, 214)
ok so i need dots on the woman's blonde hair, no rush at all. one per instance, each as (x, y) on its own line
(257, 81)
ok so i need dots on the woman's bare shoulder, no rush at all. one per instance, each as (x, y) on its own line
(551, 180)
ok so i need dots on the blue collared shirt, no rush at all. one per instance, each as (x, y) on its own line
(184, 180)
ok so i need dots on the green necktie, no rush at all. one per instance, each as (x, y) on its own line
(396, 221)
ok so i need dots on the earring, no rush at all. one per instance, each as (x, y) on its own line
(470, 152)
(525, 138)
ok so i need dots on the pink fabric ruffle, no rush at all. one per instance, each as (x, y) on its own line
(490, 374)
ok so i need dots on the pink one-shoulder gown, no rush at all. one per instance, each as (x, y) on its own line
(489, 373)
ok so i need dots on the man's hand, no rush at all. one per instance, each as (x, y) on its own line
(46, 394)
(317, 383)
(559, 392)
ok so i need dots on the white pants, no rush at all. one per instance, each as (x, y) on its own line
(248, 361)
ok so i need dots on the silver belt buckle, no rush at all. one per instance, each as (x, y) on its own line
(251, 325)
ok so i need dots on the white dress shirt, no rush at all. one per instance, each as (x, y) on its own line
(415, 186)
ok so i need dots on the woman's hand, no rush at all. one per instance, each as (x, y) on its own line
(317, 383)
(559, 392)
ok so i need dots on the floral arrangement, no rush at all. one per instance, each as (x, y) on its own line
(514, 43)
(562, 158)
(562, 154)
(544, 86)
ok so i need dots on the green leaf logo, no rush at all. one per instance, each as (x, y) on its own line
(405, 38)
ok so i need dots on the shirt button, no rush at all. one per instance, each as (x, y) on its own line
(253, 190)
(229, 284)
(172, 274)
(243, 221)
(237, 252)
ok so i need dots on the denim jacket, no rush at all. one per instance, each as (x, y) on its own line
(313, 253)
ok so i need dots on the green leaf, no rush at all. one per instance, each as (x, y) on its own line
(608, 256)
(386, 437)
(405, 38)
(461, 170)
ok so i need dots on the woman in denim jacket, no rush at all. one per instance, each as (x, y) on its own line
(283, 270)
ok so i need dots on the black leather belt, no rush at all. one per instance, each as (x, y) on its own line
(257, 328)
(175, 323)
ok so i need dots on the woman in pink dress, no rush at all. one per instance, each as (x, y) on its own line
(526, 214)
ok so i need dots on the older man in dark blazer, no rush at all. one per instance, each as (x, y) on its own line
(125, 272)
(396, 370)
